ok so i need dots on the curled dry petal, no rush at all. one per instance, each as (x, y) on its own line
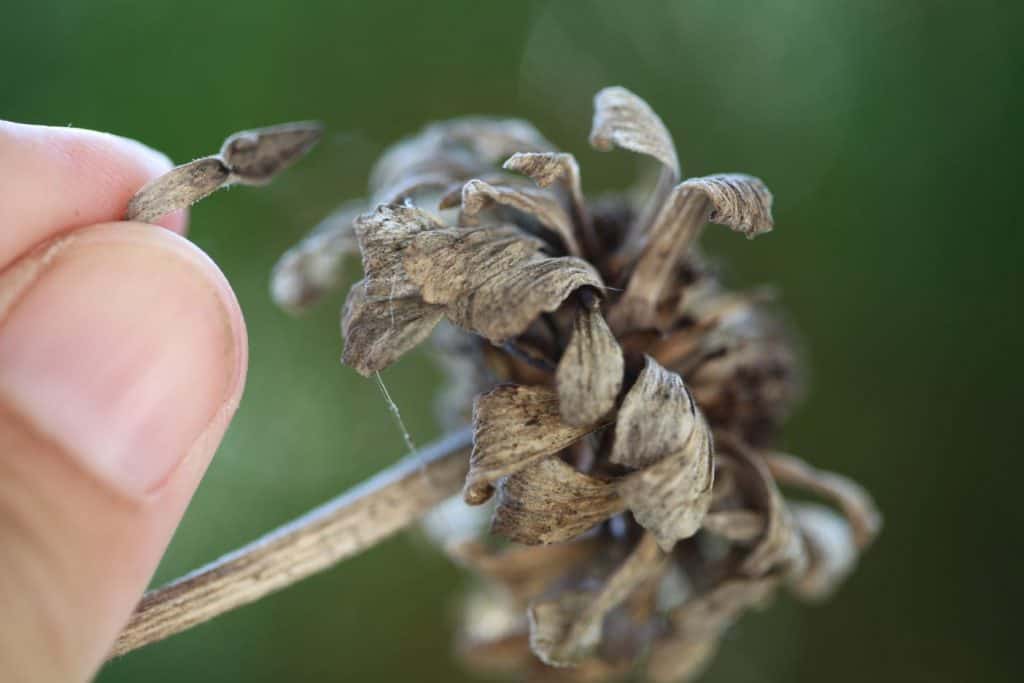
(565, 630)
(621, 119)
(831, 550)
(550, 502)
(250, 158)
(854, 501)
(493, 281)
(179, 188)
(256, 156)
(315, 266)
(379, 330)
(778, 546)
(740, 201)
(514, 426)
(478, 195)
(589, 374)
(661, 432)
(548, 168)
(698, 624)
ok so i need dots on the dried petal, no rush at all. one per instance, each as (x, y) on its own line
(493, 139)
(661, 431)
(314, 266)
(478, 195)
(851, 498)
(740, 201)
(738, 526)
(514, 426)
(831, 550)
(589, 374)
(778, 548)
(179, 188)
(524, 571)
(493, 280)
(550, 502)
(621, 119)
(565, 630)
(549, 168)
(256, 156)
(698, 625)
(379, 330)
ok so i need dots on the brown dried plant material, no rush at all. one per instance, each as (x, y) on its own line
(661, 433)
(854, 501)
(478, 195)
(251, 157)
(589, 375)
(514, 427)
(550, 502)
(315, 266)
(831, 551)
(583, 423)
(565, 630)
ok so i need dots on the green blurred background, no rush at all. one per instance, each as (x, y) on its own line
(890, 133)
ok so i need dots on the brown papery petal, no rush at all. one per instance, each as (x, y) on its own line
(851, 498)
(179, 188)
(661, 432)
(550, 502)
(379, 330)
(740, 201)
(565, 630)
(698, 625)
(256, 156)
(514, 426)
(778, 547)
(548, 168)
(622, 119)
(589, 374)
(831, 550)
(385, 235)
(493, 281)
(315, 266)
(478, 195)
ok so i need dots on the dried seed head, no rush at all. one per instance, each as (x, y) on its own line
(624, 398)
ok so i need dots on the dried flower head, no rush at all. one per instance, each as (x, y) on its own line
(623, 400)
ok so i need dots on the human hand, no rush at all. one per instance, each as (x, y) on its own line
(122, 360)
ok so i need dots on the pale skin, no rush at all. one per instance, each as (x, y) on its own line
(122, 360)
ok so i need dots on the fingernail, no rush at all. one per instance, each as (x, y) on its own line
(122, 343)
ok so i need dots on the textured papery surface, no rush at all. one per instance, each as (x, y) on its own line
(565, 630)
(315, 266)
(250, 157)
(661, 432)
(854, 501)
(478, 195)
(550, 502)
(589, 374)
(256, 156)
(524, 571)
(513, 427)
(179, 188)
(621, 119)
(493, 280)
(739, 201)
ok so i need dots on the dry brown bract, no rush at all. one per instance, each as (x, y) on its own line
(252, 157)
(625, 400)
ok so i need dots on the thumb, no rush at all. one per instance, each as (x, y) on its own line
(122, 359)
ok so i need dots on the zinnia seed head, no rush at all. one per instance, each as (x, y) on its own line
(623, 399)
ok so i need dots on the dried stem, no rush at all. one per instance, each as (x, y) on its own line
(340, 528)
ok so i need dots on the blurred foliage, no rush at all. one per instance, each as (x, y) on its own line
(890, 133)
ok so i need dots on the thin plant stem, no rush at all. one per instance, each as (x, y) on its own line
(340, 528)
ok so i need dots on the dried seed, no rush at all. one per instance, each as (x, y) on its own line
(179, 188)
(254, 157)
